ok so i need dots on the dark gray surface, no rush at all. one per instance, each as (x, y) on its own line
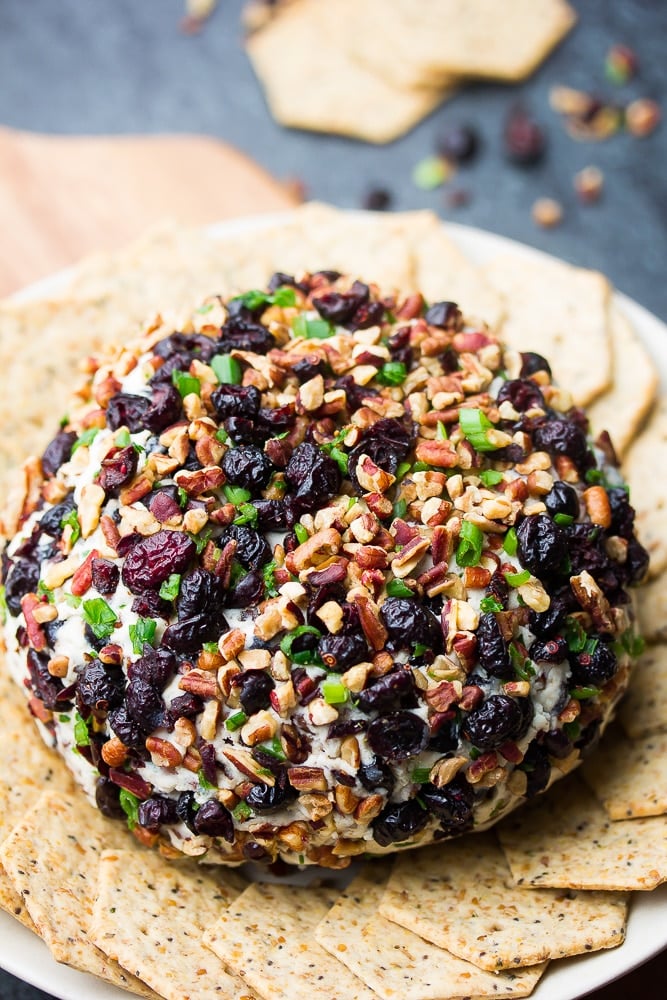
(75, 66)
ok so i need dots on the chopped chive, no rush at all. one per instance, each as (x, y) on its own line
(72, 521)
(523, 666)
(129, 803)
(441, 432)
(288, 641)
(490, 603)
(430, 173)
(141, 632)
(274, 750)
(241, 812)
(400, 508)
(81, 734)
(171, 586)
(247, 515)
(517, 579)
(475, 426)
(582, 693)
(186, 383)
(392, 373)
(563, 519)
(86, 438)
(422, 467)
(182, 497)
(490, 477)
(222, 436)
(471, 543)
(204, 782)
(236, 494)
(227, 369)
(402, 470)
(123, 438)
(396, 588)
(100, 617)
(301, 533)
(334, 692)
(421, 775)
(511, 542)
(575, 635)
(312, 329)
(572, 730)
(235, 721)
(268, 575)
(3, 606)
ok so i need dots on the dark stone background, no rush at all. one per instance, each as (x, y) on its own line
(95, 66)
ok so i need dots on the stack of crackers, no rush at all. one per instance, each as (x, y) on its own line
(373, 68)
(482, 915)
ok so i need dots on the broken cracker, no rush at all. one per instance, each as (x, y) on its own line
(145, 903)
(644, 469)
(567, 841)
(629, 777)
(460, 896)
(643, 710)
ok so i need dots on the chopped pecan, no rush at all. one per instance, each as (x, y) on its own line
(200, 481)
(307, 779)
(29, 602)
(316, 805)
(346, 800)
(369, 615)
(314, 550)
(439, 453)
(247, 765)
(485, 763)
(83, 577)
(204, 685)
(471, 697)
(592, 599)
(369, 808)
(443, 696)
(163, 753)
(445, 769)
(114, 752)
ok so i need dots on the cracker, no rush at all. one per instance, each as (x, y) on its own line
(567, 841)
(150, 916)
(652, 609)
(312, 82)
(267, 937)
(629, 777)
(625, 405)
(643, 710)
(428, 43)
(561, 312)
(27, 767)
(460, 896)
(644, 469)
(51, 857)
(395, 962)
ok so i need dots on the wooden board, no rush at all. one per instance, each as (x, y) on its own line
(65, 196)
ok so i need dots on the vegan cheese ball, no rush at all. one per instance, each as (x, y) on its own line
(325, 573)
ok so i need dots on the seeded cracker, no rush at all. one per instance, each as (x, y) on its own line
(267, 936)
(27, 766)
(567, 841)
(645, 471)
(150, 916)
(629, 777)
(52, 857)
(460, 896)
(643, 712)
(312, 82)
(434, 40)
(622, 409)
(561, 312)
(652, 610)
(396, 962)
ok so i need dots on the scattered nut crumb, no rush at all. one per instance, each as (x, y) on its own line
(547, 212)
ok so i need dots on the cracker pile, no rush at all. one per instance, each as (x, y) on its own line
(373, 68)
(425, 927)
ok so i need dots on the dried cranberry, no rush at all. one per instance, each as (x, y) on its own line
(208, 761)
(308, 367)
(562, 437)
(153, 559)
(443, 314)
(50, 521)
(99, 688)
(236, 401)
(522, 393)
(44, 686)
(395, 690)
(340, 307)
(495, 721)
(248, 467)
(546, 623)
(186, 809)
(377, 774)
(127, 542)
(409, 623)
(216, 821)
(156, 812)
(248, 591)
(341, 651)
(452, 804)
(444, 736)
(126, 729)
(187, 706)
(266, 798)
(107, 799)
(377, 199)
(387, 443)
(276, 419)
(151, 605)
(127, 410)
(165, 409)
(255, 690)
(105, 576)
(636, 562)
(312, 476)
(532, 363)
(524, 138)
(274, 515)
(594, 668)
(189, 635)
(498, 587)
(57, 452)
(398, 735)
(622, 514)
(370, 314)
(240, 334)
(537, 768)
(399, 821)
(348, 727)
(458, 143)
(548, 650)
(157, 666)
(589, 738)
(562, 499)
(118, 468)
(279, 279)
(22, 579)
(163, 505)
(557, 744)
(144, 705)
(196, 344)
(542, 545)
(355, 395)
(252, 549)
(492, 648)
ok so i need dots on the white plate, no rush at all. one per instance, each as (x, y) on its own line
(24, 955)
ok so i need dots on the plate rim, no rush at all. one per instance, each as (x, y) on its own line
(589, 971)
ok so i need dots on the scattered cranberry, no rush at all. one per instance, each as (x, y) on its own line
(458, 143)
(524, 137)
(377, 199)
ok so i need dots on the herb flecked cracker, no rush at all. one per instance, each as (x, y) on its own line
(395, 962)
(51, 857)
(566, 840)
(311, 81)
(267, 937)
(561, 312)
(643, 710)
(629, 776)
(623, 408)
(150, 916)
(652, 611)
(432, 41)
(645, 466)
(460, 896)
